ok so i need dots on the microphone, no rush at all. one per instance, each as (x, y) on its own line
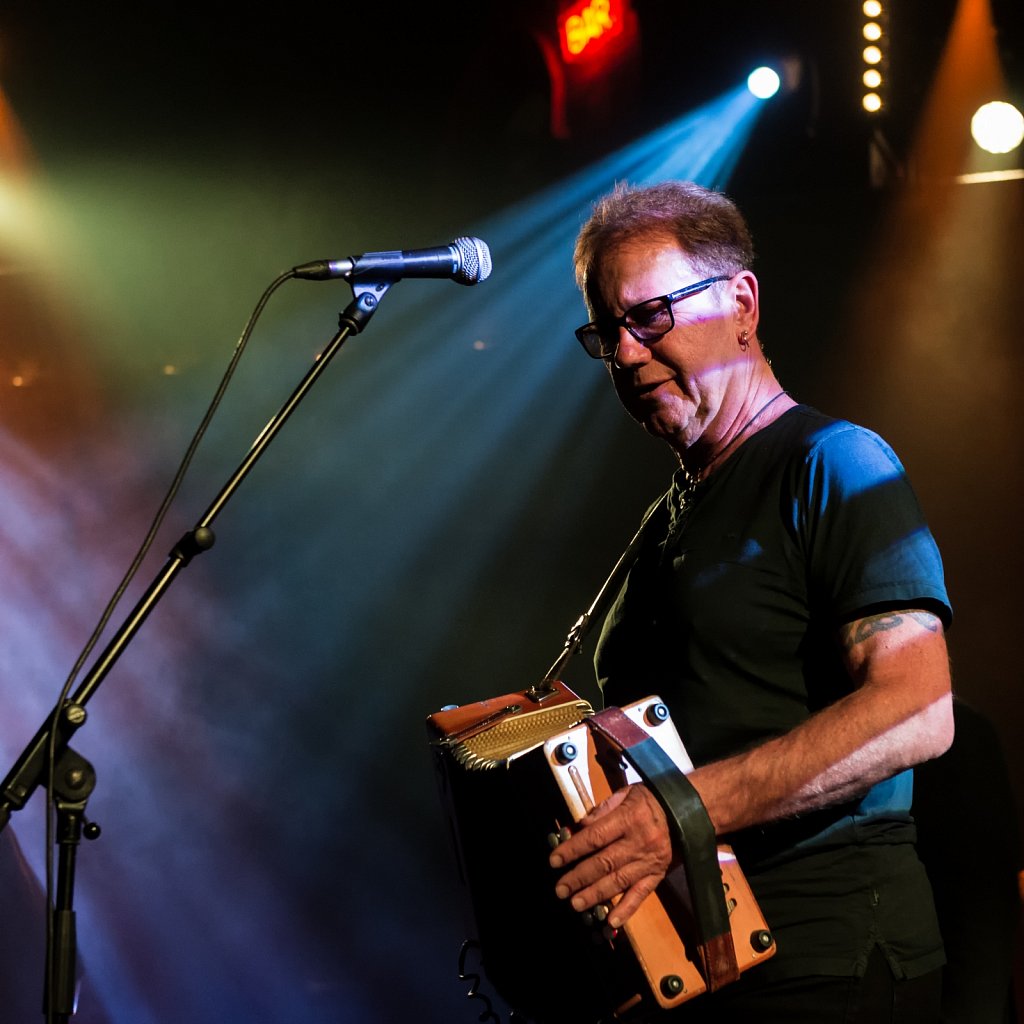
(466, 260)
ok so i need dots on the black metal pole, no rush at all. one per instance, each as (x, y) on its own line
(30, 768)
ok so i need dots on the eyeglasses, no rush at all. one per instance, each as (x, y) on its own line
(647, 321)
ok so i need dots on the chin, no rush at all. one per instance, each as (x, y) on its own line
(659, 428)
(669, 430)
(657, 417)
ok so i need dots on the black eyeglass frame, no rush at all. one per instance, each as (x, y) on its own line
(592, 336)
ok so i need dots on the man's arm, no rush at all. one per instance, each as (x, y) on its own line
(899, 715)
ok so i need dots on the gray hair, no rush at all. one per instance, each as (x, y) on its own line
(707, 226)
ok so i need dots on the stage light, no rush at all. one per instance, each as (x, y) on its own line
(764, 82)
(997, 127)
(874, 32)
(781, 73)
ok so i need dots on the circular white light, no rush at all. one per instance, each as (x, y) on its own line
(871, 8)
(872, 55)
(998, 127)
(871, 102)
(763, 82)
(872, 78)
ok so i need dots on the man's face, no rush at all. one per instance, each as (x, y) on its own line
(674, 386)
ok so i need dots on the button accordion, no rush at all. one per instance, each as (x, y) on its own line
(516, 770)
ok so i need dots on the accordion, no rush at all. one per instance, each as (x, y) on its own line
(514, 771)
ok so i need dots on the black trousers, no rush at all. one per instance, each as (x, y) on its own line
(876, 998)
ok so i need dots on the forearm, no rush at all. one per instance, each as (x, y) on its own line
(835, 756)
(900, 715)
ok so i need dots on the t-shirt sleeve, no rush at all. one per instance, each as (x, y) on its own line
(866, 540)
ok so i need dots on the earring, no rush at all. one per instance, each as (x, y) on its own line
(745, 340)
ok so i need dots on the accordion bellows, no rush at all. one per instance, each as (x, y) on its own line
(510, 733)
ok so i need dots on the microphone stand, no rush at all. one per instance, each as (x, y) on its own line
(73, 776)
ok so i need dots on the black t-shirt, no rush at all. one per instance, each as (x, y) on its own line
(730, 615)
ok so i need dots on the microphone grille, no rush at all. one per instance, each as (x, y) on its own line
(474, 260)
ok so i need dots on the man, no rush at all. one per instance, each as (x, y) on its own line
(788, 605)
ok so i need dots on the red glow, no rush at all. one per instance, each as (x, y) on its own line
(586, 27)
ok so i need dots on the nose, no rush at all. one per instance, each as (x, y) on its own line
(629, 352)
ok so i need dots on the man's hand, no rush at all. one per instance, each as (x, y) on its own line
(621, 848)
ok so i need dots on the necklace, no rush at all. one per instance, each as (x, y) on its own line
(691, 480)
(702, 473)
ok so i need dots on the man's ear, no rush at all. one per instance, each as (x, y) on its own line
(745, 296)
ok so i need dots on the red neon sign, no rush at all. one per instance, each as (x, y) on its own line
(586, 27)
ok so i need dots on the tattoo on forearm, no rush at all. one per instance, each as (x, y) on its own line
(854, 633)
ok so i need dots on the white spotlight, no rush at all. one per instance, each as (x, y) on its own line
(998, 127)
(764, 82)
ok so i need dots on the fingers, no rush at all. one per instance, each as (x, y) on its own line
(632, 899)
(621, 849)
(630, 815)
(597, 829)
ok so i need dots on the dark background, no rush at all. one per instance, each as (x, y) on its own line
(428, 526)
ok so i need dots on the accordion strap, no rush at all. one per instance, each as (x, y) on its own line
(693, 836)
(580, 628)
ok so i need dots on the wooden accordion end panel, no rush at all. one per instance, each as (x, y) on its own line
(514, 771)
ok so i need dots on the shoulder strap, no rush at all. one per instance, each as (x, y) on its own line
(581, 627)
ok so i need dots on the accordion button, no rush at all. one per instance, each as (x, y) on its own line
(672, 985)
(555, 838)
(567, 752)
(656, 714)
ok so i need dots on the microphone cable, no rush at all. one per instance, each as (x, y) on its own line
(108, 611)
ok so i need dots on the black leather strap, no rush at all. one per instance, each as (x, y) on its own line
(693, 835)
